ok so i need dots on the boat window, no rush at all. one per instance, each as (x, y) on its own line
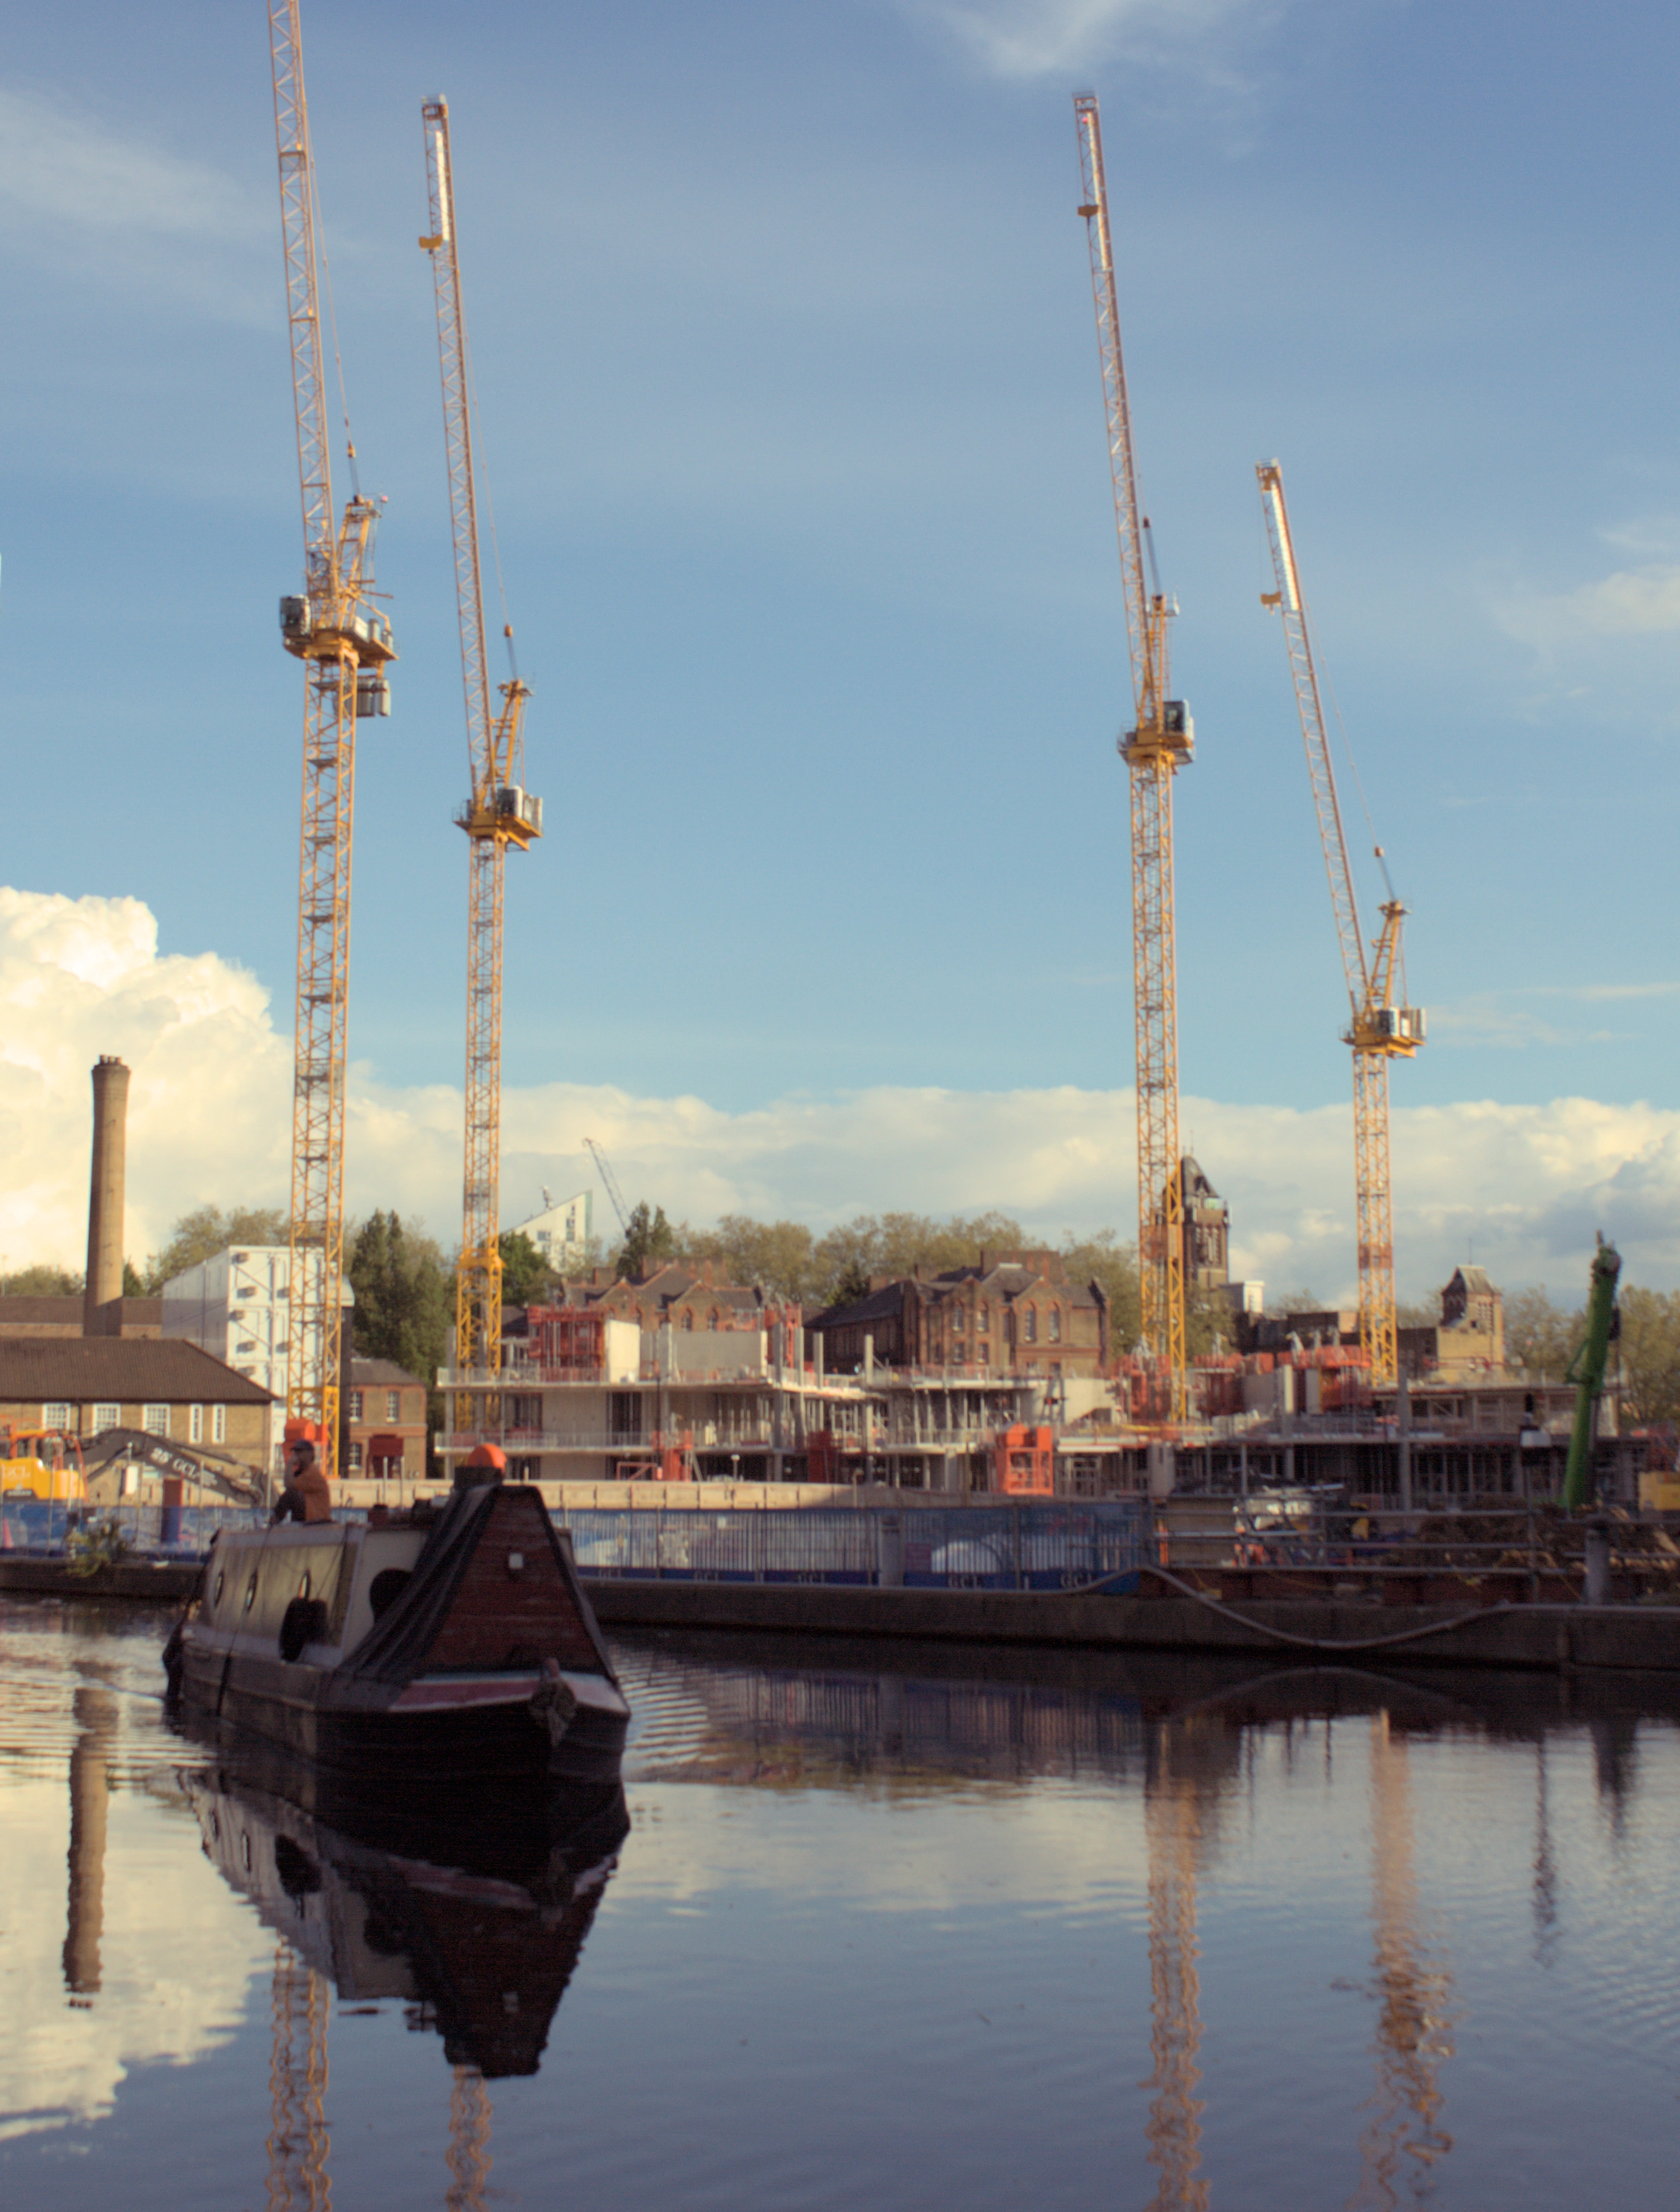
(303, 1587)
(251, 1591)
(221, 1578)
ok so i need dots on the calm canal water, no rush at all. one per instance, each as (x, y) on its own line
(1008, 1932)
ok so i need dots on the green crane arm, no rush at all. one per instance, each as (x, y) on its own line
(1586, 1372)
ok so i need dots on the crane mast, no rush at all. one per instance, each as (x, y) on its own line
(499, 812)
(344, 643)
(1378, 1029)
(1161, 739)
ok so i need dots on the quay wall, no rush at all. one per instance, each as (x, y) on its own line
(1646, 1638)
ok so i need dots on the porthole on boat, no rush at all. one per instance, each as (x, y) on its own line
(387, 1587)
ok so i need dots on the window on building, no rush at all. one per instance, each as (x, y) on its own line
(393, 1405)
(356, 1405)
(247, 1344)
(984, 1320)
(218, 1424)
(688, 1318)
(58, 1415)
(353, 1465)
(711, 1319)
(104, 1417)
(1030, 1325)
(195, 1425)
(155, 1420)
(1055, 1324)
(957, 1322)
(239, 1259)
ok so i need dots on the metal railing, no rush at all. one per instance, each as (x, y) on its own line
(1047, 1546)
(1519, 1548)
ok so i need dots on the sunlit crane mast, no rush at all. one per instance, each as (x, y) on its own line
(499, 812)
(1162, 738)
(344, 643)
(1380, 1031)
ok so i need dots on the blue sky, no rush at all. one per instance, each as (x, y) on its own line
(791, 409)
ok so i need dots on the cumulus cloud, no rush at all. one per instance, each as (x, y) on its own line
(1049, 38)
(85, 199)
(1629, 603)
(1523, 1186)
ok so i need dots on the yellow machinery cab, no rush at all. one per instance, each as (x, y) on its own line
(42, 1463)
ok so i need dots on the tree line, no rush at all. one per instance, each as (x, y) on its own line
(404, 1282)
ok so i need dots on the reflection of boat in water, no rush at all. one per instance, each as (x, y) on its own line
(480, 1943)
(438, 1646)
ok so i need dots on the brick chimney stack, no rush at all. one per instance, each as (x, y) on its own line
(101, 1302)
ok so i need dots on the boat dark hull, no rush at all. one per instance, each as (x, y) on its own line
(502, 1742)
(463, 1650)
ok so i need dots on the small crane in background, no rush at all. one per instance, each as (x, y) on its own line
(499, 812)
(1380, 1031)
(610, 1182)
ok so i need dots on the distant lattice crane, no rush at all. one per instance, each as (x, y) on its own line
(1380, 1030)
(344, 643)
(499, 812)
(1160, 740)
(610, 1182)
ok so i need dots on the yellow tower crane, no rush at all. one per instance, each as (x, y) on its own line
(344, 643)
(1161, 739)
(1380, 1031)
(499, 812)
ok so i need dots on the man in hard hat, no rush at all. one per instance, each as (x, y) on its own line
(307, 1496)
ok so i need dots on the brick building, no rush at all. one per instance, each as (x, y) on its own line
(385, 1407)
(176, 1391)
(1012, 1314)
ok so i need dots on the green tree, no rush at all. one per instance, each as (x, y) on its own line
(649, 1242)
(526, 1274)
(1111, 1264)
(781, 1255)
(1650, 1354)
(404, 1296)
(133, 1284)
(43, 1280)
(207, 1231)
(1540, 1335)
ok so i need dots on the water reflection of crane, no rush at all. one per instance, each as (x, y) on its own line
(1190, 1762)
(1404, 2139)
(297, 2139)
(469, 2158)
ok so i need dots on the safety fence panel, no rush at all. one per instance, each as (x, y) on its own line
(53, 1529)
(1041, 1547)
(1030, 1548)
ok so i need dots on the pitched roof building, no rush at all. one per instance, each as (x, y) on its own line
(1015, 1313)
(87, 1384)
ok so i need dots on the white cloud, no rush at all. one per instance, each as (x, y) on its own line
(93, 208)
(59, 167)
(1631, 602)
(1526, 1186)
(1047, 38)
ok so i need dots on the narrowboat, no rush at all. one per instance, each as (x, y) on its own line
(445, 1644)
